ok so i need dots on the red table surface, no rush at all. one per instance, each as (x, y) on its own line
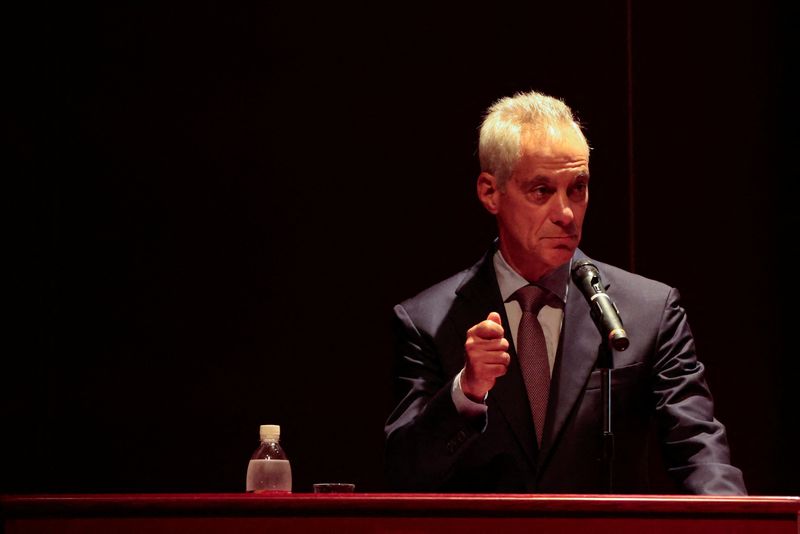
(417, 513)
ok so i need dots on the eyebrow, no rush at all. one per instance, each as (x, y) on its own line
(544, 178)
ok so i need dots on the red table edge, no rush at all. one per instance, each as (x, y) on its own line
(388, 504)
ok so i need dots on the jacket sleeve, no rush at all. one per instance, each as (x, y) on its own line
(694, 442)
(425, 434)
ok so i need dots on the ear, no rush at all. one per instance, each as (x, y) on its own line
(489, 192)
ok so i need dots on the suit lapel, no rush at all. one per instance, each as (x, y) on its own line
(578, 350)
(480, 294)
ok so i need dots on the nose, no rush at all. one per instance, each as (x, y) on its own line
(561, 209)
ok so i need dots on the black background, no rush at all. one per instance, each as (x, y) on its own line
(213, 208)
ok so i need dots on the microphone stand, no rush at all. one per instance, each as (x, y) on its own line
(605, 362)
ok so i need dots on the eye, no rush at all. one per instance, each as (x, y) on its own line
(578, 191)
(540, 192)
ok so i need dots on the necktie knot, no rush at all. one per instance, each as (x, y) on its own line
(531, 298)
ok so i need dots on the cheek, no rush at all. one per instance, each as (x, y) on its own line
(579, 212)
(524, 220)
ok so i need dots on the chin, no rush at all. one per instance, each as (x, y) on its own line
(560, 256)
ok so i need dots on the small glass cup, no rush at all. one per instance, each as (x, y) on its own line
(334, 487)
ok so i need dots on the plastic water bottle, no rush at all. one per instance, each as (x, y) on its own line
(269, 468)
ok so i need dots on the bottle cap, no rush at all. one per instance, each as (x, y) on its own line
(270, 432)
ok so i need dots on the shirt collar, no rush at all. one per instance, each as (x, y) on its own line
(510, 280)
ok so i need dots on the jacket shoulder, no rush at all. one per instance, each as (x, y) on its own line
(438, 296)
(626, 282)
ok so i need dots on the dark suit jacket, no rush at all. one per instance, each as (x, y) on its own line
(657, 385)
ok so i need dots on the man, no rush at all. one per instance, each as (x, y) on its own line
(475, 417)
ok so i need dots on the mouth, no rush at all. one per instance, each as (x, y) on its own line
(566, 241)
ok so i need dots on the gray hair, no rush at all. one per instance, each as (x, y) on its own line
(505, 122)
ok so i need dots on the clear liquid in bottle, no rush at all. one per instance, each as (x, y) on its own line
(269, 469)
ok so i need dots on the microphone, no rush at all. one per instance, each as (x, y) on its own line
(603, 310)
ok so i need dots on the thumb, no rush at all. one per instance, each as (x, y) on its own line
(495, 317)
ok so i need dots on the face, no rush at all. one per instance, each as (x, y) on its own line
(540, 209)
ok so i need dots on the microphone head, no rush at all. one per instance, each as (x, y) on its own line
(582, 269)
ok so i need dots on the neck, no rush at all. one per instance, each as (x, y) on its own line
(522, 264)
